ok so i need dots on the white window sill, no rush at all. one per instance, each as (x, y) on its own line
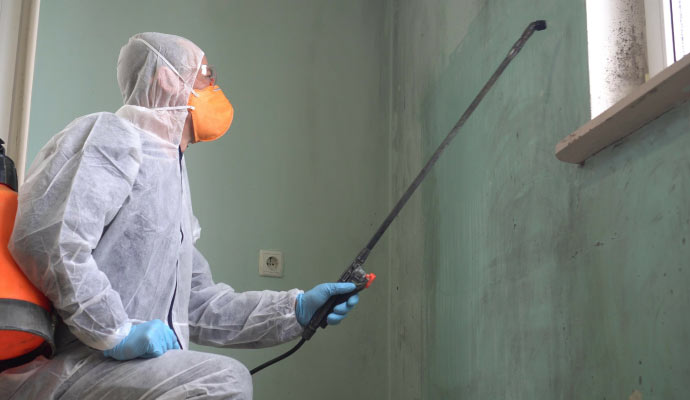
(649, 101)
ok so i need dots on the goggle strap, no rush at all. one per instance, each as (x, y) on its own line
(173, 108)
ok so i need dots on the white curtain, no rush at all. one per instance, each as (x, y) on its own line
(18, 29)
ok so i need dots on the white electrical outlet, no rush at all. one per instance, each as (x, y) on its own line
(271, 263)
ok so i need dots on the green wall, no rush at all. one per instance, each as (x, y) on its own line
(304, 168)
(514, 275)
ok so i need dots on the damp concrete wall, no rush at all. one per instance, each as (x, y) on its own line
(514, 275)
(303, 169)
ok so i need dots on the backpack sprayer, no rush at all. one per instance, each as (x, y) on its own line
(355, 273)
(27, 323)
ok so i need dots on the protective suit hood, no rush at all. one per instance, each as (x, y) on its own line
(156, 74)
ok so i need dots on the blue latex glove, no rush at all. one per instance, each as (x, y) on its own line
(309, 302)
(147, 340)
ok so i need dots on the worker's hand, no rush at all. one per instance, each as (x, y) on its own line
(147, 340)
(310, 301)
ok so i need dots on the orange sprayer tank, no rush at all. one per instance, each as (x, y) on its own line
(26, 323)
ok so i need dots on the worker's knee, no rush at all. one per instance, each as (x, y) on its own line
(204, 376)
(231, 379)
(239, 377)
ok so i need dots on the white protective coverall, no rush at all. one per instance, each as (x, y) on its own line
(105, 229)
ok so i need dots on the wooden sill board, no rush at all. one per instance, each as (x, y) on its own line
(647, 102)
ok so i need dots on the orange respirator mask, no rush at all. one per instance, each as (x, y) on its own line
(211, 113)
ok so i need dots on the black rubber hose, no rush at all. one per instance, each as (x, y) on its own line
(279, 358)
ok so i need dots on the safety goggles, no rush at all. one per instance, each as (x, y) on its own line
(209, 73)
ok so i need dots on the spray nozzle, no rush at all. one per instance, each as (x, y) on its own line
(539, 25)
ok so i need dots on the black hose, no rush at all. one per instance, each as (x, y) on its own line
(279, 358)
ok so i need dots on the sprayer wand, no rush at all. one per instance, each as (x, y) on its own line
(355, 273)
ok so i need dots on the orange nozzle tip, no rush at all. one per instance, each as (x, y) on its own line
(370, 279)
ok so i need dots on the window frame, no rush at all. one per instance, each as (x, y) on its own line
(659, 35)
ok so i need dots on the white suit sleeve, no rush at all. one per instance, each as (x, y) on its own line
(221, 317)
(74, 190)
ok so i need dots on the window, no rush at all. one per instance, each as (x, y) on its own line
(638, 70)
(659, 35)
(629, 41)
(668, 32)
(679, 18)
(617, 48)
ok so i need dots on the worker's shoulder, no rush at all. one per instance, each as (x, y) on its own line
(98, 135)
(102, 126)
(103, 120)
(101, 132)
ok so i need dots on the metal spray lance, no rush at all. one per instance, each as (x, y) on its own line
(355, 273)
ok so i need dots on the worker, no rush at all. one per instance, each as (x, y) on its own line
(105, 229)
